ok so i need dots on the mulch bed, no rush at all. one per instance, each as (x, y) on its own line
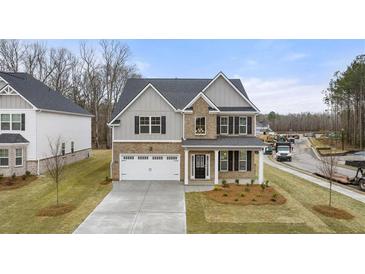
(9, 183)
(246, 195)
(333, 212)
(56, 210)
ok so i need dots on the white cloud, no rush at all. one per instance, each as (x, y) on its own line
(284, 95)
(295, 56)
(142, 66)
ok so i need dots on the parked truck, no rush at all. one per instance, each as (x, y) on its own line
(283, 151)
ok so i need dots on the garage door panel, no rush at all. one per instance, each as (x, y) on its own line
(150, 167)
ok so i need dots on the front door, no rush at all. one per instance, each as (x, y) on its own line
(200, 166)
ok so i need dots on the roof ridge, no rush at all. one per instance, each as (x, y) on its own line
(15, 74)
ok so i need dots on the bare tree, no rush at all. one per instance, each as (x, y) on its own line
(328, 168)
(55, 164)
(11, 53)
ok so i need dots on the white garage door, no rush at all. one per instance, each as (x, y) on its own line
(150, 167)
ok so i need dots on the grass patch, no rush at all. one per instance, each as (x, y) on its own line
(256, 196)
(80, 188)
(9, 183)
(297, 215)
(55, 210)
(333, 212)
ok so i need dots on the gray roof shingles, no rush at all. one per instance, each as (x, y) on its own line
(12, 138)
(39, 94)
(178, 91)
(236, 141)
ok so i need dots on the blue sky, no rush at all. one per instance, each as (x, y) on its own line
(280, 75)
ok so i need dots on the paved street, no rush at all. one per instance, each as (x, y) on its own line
(139, 207)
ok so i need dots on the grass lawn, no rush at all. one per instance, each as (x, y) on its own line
(295, 216)
(80, 187)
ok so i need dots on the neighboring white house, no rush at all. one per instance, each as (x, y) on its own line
(31, 116)
(262, 128)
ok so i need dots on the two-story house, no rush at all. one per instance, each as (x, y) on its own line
(31, 117)
(194, 130)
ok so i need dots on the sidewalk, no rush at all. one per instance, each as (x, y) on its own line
(350, 193)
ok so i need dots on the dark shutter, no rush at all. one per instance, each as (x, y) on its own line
(218, 125)
(236, 125)
(136, 124)
(230, 125)
(23, 121)
(230, 160)
(219, 160)
(236, 160)
(163, 124)
(249, 161)
(249, 125)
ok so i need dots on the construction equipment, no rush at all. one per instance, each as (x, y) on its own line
(283, 151)
(359, 179)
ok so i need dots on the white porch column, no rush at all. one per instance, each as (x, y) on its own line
(261, 166)
(216, 167)
(186, 167)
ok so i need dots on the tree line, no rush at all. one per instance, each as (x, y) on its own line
(93, 78)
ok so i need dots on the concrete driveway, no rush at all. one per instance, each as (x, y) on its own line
(139, 207)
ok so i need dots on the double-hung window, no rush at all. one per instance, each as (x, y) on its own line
(224, 125)
(155, 124)
(16, 121)
(200, 126)
(223, 160)
(243, 160)
(144, 124)
(18, 156)
(5, 121)
(243, 125)
(4, 157)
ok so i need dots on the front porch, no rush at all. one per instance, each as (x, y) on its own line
(212, 165)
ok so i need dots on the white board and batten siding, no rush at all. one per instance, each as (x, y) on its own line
(69, 127)
(150, 167)
(149, 104)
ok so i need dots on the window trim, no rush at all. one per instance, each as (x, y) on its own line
(11, 122)
(220, 125)
(220, 161)
(239, 125)
(205, 126)
(22, 157)
(239, 160)
(150, 125)
(1, 157)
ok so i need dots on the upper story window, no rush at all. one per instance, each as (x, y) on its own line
(12, 121)
(4, 157)
(155, 124)
(144, 124)
(224, 125)
(200, 126)
(243, 125)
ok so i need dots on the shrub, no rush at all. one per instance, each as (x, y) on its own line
(27, 173)
(13, 176)
(247, 184)
(237, 181)
(267, 183)
(225, 194)
(253, 200)
(274, 196)
(1, 176)
(216, 188)
(247, 189)
(224, 183)
(252, 181)
(24, 177)
(107, 178)
(263, 187)
(236, 200)
(242, 194)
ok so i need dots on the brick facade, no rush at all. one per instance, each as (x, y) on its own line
(200, 109)
(145, 148)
